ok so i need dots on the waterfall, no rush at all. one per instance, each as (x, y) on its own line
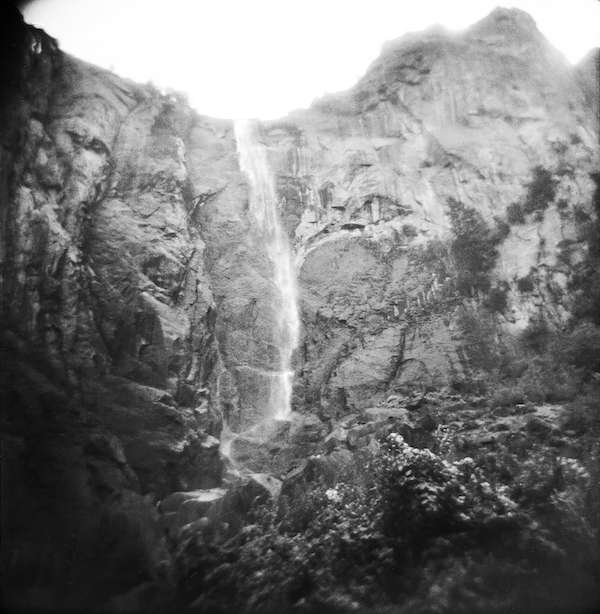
(254, 164)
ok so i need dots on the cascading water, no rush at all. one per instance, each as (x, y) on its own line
(254, 164)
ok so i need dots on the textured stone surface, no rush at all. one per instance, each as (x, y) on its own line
(109, 354)
(136, 301)
(365, 175)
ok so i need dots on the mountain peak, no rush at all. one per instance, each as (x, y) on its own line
(511, 24)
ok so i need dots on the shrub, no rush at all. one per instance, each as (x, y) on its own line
(548, 380)
(497, 298)
(560, 147)
(474, 248)
(525, 284)
(581, 215)
(580, 347)
(582, 414)
(515, 214)
(506, 396)
(585, 283)
(541, 190)
(502, 229)
(586, 289)
(408, 230)
(434, 256)
(431, 535)
(562, 204)
(476, 382)
(575, 138)
(479, 344)
(536, 335)
(423, 495)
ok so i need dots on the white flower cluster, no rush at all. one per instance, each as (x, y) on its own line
(438, 480)
(573, 468)
(333, 495)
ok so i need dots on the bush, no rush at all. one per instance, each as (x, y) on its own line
(476, 382)
(547, 380)
(525, 284)
(478, 332)
(536, 336)
(423, 495)
(408, 230)
(434, 256)
(581, 215)
(583, 414)
(430, 535)
(497, 298)
(541, 190)
(575, 138)
(580, 347)
(474, 248)
(506, 396)
(515, 214)
(502, 229)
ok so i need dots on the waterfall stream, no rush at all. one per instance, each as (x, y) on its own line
(254, 164)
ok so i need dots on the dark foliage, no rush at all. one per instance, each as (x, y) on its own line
(515, 214)
(497, 298)
(429, 534)
(525, 284)
(541, 190)
(585, 283)
(478, 332)
(474, 248)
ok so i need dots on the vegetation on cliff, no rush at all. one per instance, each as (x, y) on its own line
(498, 513)
(413, 531)
(448, 380)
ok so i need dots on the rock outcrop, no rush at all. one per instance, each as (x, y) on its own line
(136, 296)
(110, 358)
(493, 118)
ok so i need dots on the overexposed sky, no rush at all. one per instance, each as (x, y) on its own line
(263, 58)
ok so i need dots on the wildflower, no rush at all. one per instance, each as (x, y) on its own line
(333, 495)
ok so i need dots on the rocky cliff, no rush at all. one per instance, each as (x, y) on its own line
(491, 122)
(110, 356)
(455, 179)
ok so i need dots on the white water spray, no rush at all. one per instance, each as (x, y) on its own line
(254, 164)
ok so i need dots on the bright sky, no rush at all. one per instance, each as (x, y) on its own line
(264, 58)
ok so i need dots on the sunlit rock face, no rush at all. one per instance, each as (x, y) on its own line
(365, 176)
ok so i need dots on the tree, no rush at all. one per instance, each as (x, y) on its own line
(474, 248)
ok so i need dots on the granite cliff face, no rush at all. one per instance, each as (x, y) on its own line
(110, 356)
(486, 118)
(136, 298)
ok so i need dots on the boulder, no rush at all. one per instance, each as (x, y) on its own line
(262, 487)
(395, 414)
(360, 434)
(242, 495)
(336, 439)
(197, 507)
(415, 402)
(539, 426)
(173, 501)
(428, 422)
(202, 525)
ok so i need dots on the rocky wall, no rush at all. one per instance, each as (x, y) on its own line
(136, 304)
(365, 177)
(110, 358)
